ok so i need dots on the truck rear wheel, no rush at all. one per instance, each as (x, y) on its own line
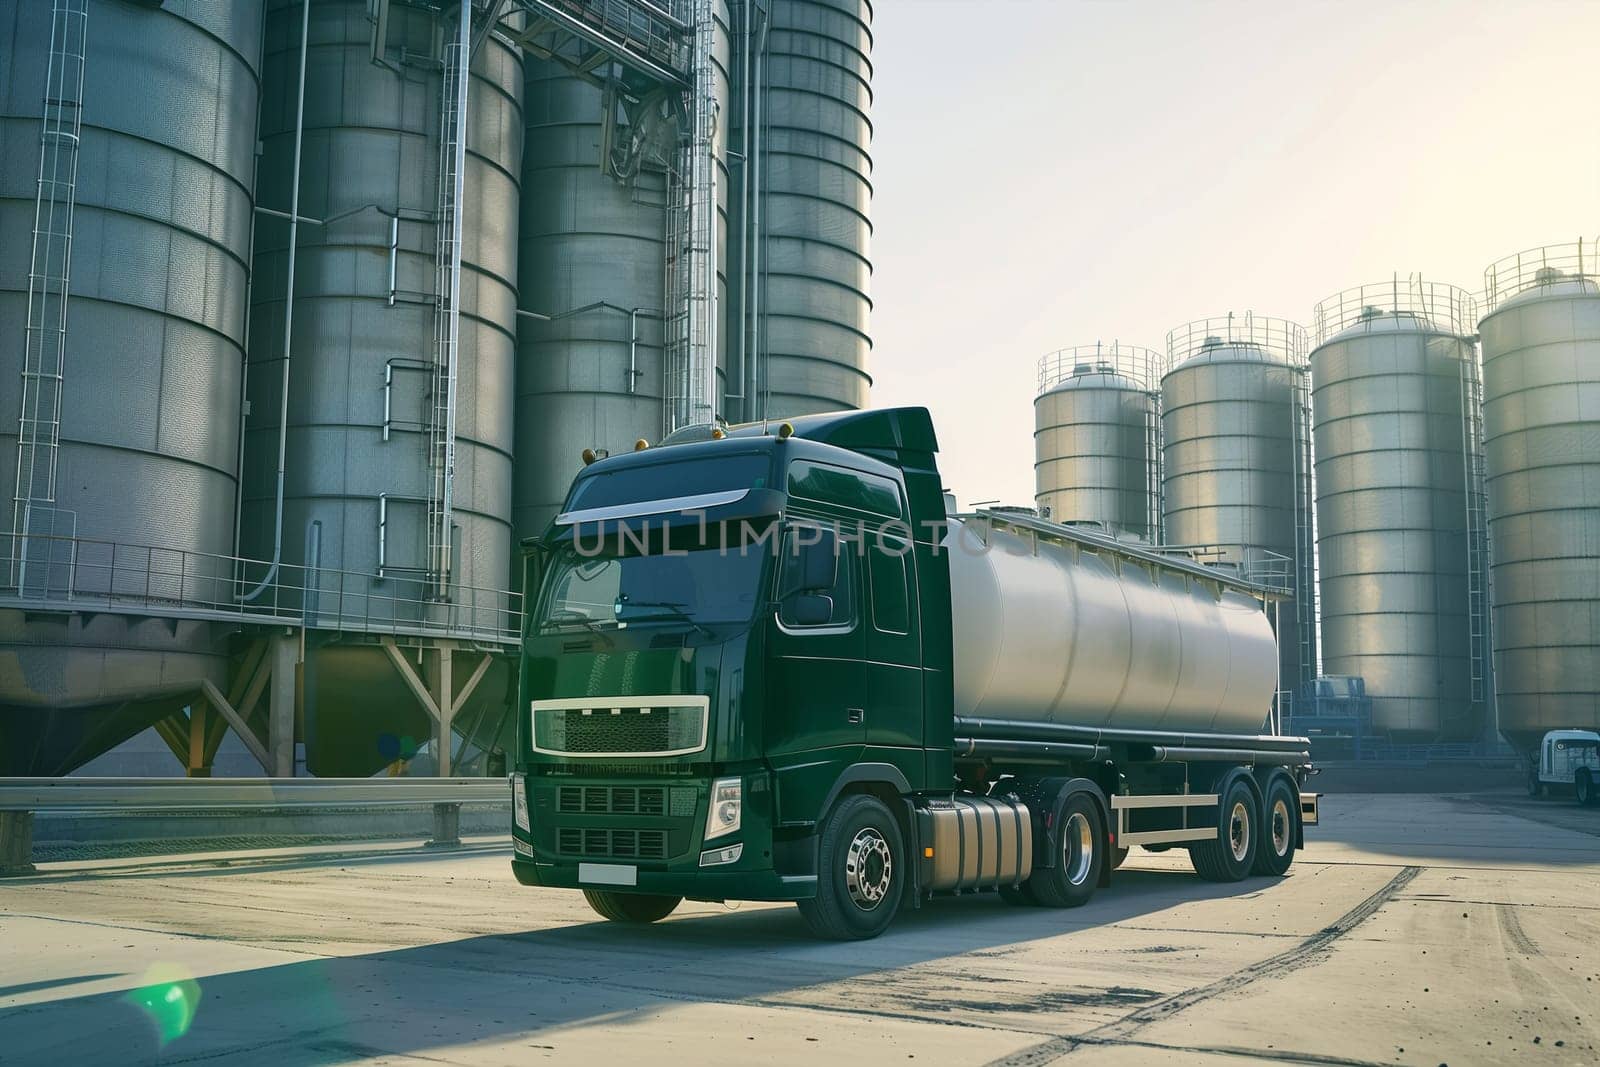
(1232, 853)
(1080, 856)
(1275, 850)
(861, 872)
(630, 907)
(1583, 787)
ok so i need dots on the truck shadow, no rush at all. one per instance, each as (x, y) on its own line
(524, 989)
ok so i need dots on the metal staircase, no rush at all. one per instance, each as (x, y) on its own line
(1477, 527)
(447, 303)
(691, 255)
(1153, 466)
(44, 353)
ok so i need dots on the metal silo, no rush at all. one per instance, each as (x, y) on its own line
(1097, 438)
(1541, 415)
(119, 419)
(603, 354)
(394, 468)
(1236, 479)
(1399, 505)
(806, 286)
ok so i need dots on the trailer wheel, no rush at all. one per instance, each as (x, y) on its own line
(1275, 850)
(1081, 855)
(636, 908)
(1583, 787)
(861, 872)
(1535, 787)
(1230, 856)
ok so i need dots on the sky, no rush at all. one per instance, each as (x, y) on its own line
(1050, 174)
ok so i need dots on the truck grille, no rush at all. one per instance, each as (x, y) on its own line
(612, 800)
(620, 726)
(614, 844)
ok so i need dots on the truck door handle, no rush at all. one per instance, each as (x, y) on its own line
(856, 715)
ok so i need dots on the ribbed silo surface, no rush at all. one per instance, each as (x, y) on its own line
(1390, 384)
(1541, 411)
(1095, 437)
(817, 192)
(150, 388)
(593, 259)
(1229, 478)
(363, 346)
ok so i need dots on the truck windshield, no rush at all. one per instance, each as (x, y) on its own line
(701, 587)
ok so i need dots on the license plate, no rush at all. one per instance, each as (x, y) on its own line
(608, 873)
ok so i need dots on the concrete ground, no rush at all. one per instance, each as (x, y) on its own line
(1414, 929)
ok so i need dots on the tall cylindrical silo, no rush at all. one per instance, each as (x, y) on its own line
(1235, 474)
(1096, 437)
(155, 153)
(1393, 387)
(811, 214)
(1541, 415)
(368, 405)
(592, 366)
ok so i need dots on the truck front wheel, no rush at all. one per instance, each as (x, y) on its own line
(1232, 853)
(861, 872)
(1079, 860)
(630, 907)
(1583, 786)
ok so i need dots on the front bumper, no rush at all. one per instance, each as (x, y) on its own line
(696, 884)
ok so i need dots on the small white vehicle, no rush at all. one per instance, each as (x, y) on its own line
(1567, 760)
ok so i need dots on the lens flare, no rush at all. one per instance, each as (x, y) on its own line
(169, 998)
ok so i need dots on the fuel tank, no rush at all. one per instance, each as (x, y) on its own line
(1055, 625)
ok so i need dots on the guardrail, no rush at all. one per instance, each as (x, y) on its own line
(20, 798)
(180, 794)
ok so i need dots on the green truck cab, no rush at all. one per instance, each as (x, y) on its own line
(736, 684)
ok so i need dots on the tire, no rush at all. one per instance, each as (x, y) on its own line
(861, 872)
(1118, 855)
(1276, 830)
(1231, 855)
(635, 908)
(1533, 782)
(1080, 859)
(1583, 787)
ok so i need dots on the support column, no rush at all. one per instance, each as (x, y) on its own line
(285, 653)
(446, 827)
(16, 843)
(198, 764)
(444, 699)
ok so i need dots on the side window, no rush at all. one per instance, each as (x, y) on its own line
(891, 608)
(815, 558)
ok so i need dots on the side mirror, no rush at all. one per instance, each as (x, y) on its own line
(807, 609)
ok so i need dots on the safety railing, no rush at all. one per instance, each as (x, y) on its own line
(1140, 365)
(1551, 265)
(72, 573)
(1257, 566)
(1281, 340)
(219, 794)
(1433, 305)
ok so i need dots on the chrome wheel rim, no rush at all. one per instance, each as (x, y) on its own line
(1078, 848)
(868, 869)
(1280, 827)
(1239, 831)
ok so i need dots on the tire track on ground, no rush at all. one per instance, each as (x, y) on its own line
(1315, 947)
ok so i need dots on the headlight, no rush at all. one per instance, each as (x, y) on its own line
(519, 803)
(727, 805)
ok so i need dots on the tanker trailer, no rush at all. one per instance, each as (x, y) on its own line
(761, 663)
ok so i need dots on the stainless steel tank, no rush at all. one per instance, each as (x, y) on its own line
(1392, 378)
(361, 362)
(815, 209)
(149, 412)
(362, 400)
(1541, 413)
(1096, 435)
(1233, 477)
(1050, 629)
